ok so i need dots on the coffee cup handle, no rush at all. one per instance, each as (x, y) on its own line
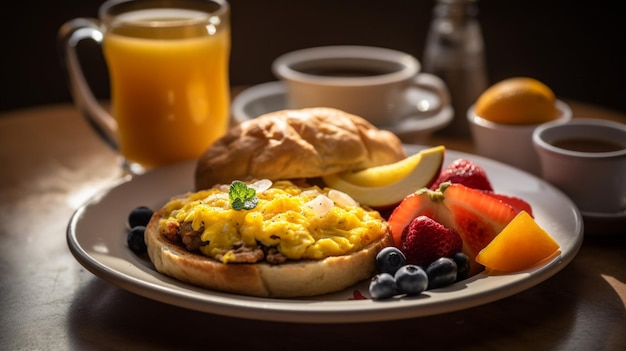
(70, 35)
(427, 95)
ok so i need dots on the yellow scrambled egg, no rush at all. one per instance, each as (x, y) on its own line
(286, 217)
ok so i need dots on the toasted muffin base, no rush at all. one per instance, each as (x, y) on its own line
(291, 279)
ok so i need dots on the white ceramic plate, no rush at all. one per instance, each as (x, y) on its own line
(96, 236)
(271, 96)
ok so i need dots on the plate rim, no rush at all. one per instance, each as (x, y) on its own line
(187, 296)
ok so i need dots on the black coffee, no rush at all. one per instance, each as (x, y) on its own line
(347, 67)
(344, 72)
(588, 145)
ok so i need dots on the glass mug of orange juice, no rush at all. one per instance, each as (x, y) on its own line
(168, 68)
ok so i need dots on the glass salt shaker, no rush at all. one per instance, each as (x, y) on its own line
(455, 53)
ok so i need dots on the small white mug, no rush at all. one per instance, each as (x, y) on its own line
(375, 83)
(586, 159)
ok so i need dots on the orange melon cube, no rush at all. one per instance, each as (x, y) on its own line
(522, 244)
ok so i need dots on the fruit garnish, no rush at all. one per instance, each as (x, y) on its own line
(442, 272)
(139, 216)
(391, 173)
(397, 277)
(517, 100)
(476, 216)
(242, 197)
(522, 244)
(387, 185)
(425, 240)
(517, 203)
(135, 239)
(389, 260)
(357, 295)
(383, 286)
(470, 174)
(411, 279)
(138, 219)
(464, 172)
(462, 265)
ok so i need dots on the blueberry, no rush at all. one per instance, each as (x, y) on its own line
(411, 279)
(442, 272)
(462, 265)
(135, 240)
(389, 260)
(382, 286)
(139, 216)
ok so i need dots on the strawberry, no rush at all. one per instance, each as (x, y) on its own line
(516, 202)
(476, 216)
(425, 240)
(464, 172)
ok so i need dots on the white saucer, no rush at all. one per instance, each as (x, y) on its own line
(271, 96)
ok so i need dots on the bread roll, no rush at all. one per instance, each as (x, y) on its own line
(293, 144)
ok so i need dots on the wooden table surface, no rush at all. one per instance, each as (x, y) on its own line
(52, 163)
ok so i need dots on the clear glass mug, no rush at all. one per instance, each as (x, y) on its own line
(168, 68)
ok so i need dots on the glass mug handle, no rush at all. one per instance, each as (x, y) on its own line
(69, 36)
(427, 95)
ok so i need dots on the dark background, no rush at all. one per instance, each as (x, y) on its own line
(575, 47)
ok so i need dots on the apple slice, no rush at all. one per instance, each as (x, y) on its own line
(387, 174)
(389, 184)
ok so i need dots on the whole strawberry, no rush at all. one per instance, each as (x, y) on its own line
(464, 172)
(424, 240)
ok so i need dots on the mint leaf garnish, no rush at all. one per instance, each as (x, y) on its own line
(242, 197)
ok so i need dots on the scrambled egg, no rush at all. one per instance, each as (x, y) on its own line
(301, 223)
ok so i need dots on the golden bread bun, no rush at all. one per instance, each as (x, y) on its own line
(297, 278)
(293, 144)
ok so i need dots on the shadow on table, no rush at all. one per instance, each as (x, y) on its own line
(105, 316)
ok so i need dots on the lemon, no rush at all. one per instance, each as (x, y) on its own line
(517, 100)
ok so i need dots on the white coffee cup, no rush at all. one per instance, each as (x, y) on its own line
(375, 83)
(586, 159)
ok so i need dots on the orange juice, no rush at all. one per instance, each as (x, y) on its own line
(169, 86)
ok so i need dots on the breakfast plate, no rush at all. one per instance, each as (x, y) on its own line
(96, 236)
(271, 96)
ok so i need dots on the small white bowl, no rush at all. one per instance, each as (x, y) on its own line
(511, 144)
(594, 179)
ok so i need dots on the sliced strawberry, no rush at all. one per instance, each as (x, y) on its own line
(476, 216)
(414, 205)
(517, 203)
(464, 172)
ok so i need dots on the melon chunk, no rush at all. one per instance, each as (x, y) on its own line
(522, 244)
